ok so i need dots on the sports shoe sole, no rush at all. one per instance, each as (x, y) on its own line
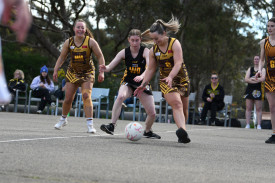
(93, 132)
(152, 137)
(269, 142)
(64, 124)
(183, 136)
(103, 128)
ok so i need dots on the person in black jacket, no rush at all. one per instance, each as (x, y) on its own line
(17, 83)
(213, 95)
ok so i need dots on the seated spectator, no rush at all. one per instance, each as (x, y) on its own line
(17, 83)
(42, 87)
(213, 96)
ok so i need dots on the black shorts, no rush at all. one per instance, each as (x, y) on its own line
(148, 89)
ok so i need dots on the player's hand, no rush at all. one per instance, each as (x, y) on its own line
(23, 18)
(139, 90)
(55, 76)
(101, 77)
(258, 74)
(102, 68)
(212, 95)
(138, 79)
(168, 80)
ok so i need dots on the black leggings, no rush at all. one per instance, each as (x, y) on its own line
(213, 106)
(45, 96)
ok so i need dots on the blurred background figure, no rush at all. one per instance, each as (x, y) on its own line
(254, 93)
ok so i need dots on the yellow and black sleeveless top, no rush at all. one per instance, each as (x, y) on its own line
(165, 60)
(270, 66)
(81, 67)
(134, 66)
(254, 91)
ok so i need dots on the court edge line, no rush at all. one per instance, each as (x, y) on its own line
(92, 135)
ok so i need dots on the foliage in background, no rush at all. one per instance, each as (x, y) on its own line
(210, 35)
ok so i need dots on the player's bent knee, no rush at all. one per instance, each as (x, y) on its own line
(86, 96)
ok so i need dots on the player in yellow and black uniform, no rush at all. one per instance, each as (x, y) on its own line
(81, 71)
(136, 58)
(165, 60)
(254, 93)
(81, 67)
(174, 80)
(268, 53)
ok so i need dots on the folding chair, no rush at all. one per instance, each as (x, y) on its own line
(19, 95)
(34, 99)
(98, 97)
(158, 99)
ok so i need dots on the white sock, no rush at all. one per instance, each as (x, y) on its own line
(63, 118)
(89, 121)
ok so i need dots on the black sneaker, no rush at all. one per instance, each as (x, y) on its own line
(108, 128)
(201, 122)
(150, 134)
(271, 140)
(183, 136)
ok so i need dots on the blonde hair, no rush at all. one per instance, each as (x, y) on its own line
(21, 73)
(160, 26)
(88, 31)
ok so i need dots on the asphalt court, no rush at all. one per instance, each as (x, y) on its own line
(31, 150)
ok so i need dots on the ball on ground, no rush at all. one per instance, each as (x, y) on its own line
(134, 131)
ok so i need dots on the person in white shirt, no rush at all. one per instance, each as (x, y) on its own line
(42, 87)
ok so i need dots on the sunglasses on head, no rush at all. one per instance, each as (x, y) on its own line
(214, 77)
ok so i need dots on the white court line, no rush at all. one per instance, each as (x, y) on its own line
(94, 135)
(51, 138)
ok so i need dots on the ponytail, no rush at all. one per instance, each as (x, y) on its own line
(160, 26)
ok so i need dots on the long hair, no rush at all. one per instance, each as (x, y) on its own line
(47, 79)
(160, 26)
(21, 74)
(88, 31)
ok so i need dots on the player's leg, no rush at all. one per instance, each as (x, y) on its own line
(149, 105)
(86, 90)
(259, 108)
(174, 100)
(123, 93)
(5, 96)
(249, 105)
(67, 104)
(271, 101)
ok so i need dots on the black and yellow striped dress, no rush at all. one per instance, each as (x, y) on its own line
(270, 66)
(181, 82)
(81, 68)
